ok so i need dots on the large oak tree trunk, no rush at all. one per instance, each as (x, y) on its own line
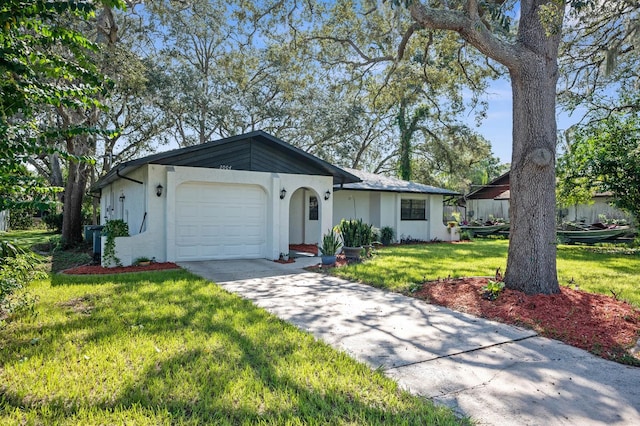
(73, 196)
(531, 265)
(532, 60)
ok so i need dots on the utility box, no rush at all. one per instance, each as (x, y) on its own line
(93, 233)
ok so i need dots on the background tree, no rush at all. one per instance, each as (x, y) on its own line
(86, 116)
(425, 90)
(600, 60)
(600, 79)
(454, 157)
(605, 156)
(40, 52)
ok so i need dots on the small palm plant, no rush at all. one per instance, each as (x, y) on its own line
(330, 243)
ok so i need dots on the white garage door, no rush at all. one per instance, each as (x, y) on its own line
(220, 221)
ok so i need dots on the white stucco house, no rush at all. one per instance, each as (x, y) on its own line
(250, 196)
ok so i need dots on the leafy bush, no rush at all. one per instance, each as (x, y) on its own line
(355, 233)
(53, 222)
(20, 218)
(386, 235)
(112, 229)
(141, 260)
(492, 290)
(466, 235)
(17, 269)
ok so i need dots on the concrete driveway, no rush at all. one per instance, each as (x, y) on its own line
(494, 373)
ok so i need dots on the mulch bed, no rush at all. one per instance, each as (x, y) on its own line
(305, 248)
(597, 323)
(97, 269)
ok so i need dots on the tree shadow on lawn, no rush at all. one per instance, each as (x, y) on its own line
(476, 368)
(217, 359)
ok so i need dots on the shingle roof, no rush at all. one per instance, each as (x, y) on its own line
(275, 156)
(376, 182)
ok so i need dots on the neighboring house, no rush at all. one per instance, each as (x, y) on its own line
(250, 196)
(492, 199)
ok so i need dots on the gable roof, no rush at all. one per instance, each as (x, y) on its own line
(493, 189)
(256, 151)
(499, 189)
(375, 182)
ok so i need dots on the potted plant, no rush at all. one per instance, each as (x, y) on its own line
(142, 261)
(284, 258)
(369, 236)
(353, 234)
(330, 246)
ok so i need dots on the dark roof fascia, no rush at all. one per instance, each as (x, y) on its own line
(339, 176)
(493, 182)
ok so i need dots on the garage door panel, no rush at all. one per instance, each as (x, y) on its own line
(187, 252)
(187, 234)
(220, 221)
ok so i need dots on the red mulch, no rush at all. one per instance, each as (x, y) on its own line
(97, 269)
(597, 323)
(305, 248)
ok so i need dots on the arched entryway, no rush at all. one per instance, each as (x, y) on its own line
(305, 217)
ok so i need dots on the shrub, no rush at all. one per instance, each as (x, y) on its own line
(112, 229)
(141, 261)
(17, 269)
(386, 235)
(466, 235)
(53, 222)
(492, 290)
(20, 218)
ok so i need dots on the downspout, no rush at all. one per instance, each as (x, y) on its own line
(135, 181)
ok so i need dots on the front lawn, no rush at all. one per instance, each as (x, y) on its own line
(605, 270)
(170, 348)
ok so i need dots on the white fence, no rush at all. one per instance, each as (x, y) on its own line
(4, 220)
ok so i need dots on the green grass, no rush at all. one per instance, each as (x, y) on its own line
(56, 260)
(170, 348)
(29, 238)
(593, 269)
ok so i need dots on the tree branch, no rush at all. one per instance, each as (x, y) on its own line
(364, 56)
(470, 27)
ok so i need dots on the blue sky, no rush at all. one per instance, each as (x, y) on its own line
(496, 127)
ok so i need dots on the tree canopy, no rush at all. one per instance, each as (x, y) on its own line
(39, 53)
(604, 156)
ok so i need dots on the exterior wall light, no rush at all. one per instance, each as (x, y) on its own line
(283, 193)
(327, 195)
(159, 189)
